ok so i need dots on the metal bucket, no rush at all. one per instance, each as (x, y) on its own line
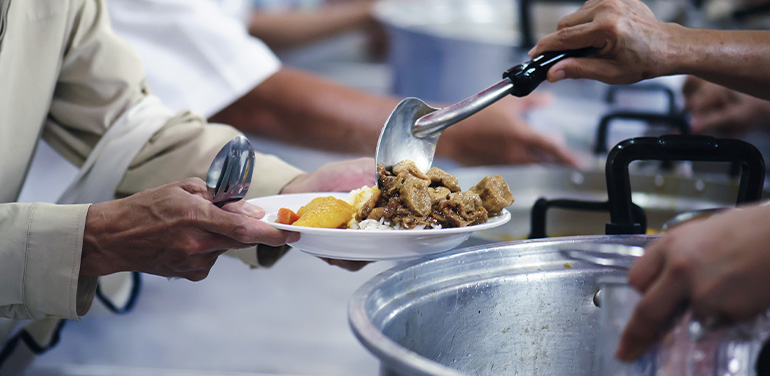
(518, 308)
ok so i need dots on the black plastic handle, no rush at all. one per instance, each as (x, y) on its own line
(676, 148)
(613, 90)
(673, 121)
(527, 76)
(539, 209)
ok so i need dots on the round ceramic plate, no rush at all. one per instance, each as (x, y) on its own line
(367, 245)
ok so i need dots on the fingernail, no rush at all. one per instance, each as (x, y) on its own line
(292, 238)
(253, 210)
(558, 75)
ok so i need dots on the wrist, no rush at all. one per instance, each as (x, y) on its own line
(294, 186)
(677, 54)
(93, 260)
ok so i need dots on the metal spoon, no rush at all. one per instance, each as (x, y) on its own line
(413, 128)
(229, 176)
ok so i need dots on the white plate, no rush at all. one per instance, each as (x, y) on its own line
(367, 245)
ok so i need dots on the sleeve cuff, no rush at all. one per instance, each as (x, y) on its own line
(51, 284)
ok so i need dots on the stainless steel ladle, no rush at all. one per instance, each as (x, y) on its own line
(413, 128)
(229, 176)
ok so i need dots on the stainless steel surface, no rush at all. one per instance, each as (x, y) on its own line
(413, 128)
(397, 143)
(662, 196)
(229, 175)
(610, 255)
(435, 122)
(518, 308)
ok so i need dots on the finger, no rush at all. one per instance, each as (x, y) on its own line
(245, 230)
(728, 120)
(588, 68)
(691, 85)
(244, 207)
(346, 264)
(545, 150)
(581, 16)
(195, 186)
(651, 316)
(571, 38)
(647, 268)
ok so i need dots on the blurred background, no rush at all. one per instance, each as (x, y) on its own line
(291, 319)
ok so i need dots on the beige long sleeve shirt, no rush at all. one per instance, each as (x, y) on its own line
(65, 77)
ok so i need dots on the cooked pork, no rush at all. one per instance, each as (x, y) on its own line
(410, 198)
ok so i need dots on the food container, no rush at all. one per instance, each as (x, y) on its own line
(517, 308)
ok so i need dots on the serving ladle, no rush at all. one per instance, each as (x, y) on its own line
(229, 176)
(413, 128)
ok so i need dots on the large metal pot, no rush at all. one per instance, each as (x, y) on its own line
(517, 308)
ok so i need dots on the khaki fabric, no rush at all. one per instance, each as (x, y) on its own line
(65, 77)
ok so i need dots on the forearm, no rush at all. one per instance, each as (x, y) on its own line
(735, 59)
(291, 29)
(302, 109)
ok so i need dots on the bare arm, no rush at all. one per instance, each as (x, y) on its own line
(632, 45)
(303, 109)
(295, 28)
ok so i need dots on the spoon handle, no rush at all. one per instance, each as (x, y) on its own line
(527, 76)
(518, 81)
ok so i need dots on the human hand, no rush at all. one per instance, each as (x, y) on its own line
(717, 266)
(631, 44)
(171, 231)
(715, 108)
(499, 135)
(338, 176)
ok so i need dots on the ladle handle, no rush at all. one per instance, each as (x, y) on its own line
(527, 76)
(517, 81)
(676, 148)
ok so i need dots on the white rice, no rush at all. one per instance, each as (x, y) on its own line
(382, 225)
(357, 198)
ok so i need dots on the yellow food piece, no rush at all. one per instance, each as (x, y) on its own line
(326, 212)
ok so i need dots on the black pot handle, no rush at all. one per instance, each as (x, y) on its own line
(647, 86)
(676, 148)
(674, 121)
(538, 214)
(527, 76)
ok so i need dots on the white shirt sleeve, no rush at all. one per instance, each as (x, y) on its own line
(196, 56)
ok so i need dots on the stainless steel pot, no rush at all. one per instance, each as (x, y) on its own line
(518, 308)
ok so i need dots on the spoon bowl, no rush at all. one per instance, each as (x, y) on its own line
(229, 176)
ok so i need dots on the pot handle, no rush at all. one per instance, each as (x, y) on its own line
(541, 206)
(676, 148)
(646, 86)
(673, 121)
(527, 76)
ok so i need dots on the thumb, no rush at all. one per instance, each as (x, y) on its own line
(586, 67)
